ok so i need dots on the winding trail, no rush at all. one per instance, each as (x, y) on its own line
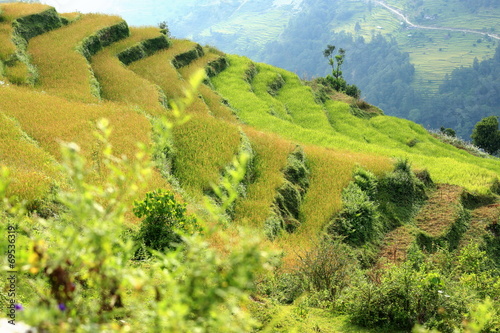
(405, 19)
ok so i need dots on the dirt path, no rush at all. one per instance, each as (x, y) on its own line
(435, 218)
(440, 210)
(482, 217)
(396, 245)
(401, 15)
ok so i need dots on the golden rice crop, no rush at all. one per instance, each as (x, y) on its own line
(55, 120)
(204, 146)
(119, 83)
(202, 62)
(7, 47)
(63, 71)
(215, 104)
(50, 119)
(12, 11)
(159, 69)
(33, 170)
(271, 153)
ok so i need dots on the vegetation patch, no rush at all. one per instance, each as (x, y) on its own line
(33, 25)
(286, 207)
(143, 49)
(102, 38)
(216, 66)
(275, 85)
(66, 73)
(17, 32)
(184, 59)
(120, 84)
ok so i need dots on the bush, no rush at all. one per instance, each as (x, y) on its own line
(328, 267)
(402, 185)
(406, 296)
(283, 287)
(486, 134)
(353, 91)
(358, 220)
(165, 220)
(367, 182)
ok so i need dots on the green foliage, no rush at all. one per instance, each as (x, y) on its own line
(353, 91)
(143, 49)
(402, 186)
(477, 271)
(367, 182)
(405, 296)
(165, 220)
(286, 207)
(104, 37)
(33, 25)
(186, 58)
(282, 287)
(359, 219)
(448, 131)
(328, 267)
(164, 29)
(486, 134)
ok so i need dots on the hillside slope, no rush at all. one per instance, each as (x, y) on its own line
(263, 97)
(303, 152)
(424, 42)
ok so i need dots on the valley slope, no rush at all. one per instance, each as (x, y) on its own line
(61, 73)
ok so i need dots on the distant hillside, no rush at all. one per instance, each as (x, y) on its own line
(294, 39)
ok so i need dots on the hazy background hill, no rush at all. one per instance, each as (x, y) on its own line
(400, 68)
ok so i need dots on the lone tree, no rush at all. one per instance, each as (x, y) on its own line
(336, 80)
(486, 135)
(164, 29)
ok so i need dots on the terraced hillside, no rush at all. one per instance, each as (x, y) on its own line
(302, 150)
(129, 76)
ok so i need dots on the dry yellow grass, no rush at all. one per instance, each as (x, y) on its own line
(63, 71)
(55, 120)
(204, 146)
(12, 11)
(7, 47)
(215, 104)
(33, 170)
(271, 153)
(331, 171)
(159, 69)
(119, 83)
(202, 62)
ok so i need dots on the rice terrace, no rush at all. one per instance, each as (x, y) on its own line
(153, 184)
